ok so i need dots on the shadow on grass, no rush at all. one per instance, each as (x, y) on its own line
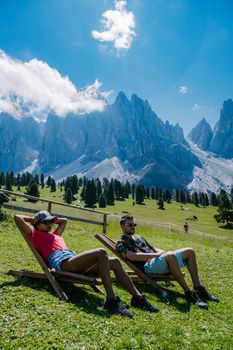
(89, 302)
(172, 299)
(78, 295)
(227, 226)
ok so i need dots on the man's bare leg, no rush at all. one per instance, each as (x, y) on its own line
(175, 270)
(188, 255)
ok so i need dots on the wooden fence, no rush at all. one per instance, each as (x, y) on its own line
(54, 204)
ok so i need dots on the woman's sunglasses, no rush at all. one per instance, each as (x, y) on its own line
(47, 223)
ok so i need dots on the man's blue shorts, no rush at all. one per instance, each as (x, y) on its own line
(56, 258)
(160, 266)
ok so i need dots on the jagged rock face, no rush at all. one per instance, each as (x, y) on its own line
(19, 141)
(222, 141)
(129, 130)
(201, 135)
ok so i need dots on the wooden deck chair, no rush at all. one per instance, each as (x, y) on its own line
(136, 274)
(54, 276)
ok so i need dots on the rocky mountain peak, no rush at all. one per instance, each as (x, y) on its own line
(121, 99)
(201, 135)
(222, 141)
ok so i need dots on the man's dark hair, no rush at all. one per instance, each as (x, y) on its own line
(125, 218)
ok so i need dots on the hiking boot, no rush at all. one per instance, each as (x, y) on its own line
(141, 302)
(193, 297)
(204, 294)
(115, 306)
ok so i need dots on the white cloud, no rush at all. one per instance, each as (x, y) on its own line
(196, 107)
(118, 27)
(34, 88)
(183, 89)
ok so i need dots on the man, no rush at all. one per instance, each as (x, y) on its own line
(156, 261)
(55, 252)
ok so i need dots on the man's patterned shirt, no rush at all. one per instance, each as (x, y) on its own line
(136, 244)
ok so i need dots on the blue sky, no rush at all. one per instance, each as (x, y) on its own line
(177, 54)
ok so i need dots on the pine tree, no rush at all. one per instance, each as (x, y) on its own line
(231, 196)
(133, 191)
(8, 185)
(102, 201)
(68, 197)
(23, 180)
(201, 196)
(206, 200)
(72, 183)
(36, 178)
(110, 194)
(156, 193)
(29, 178)
(139, 196)
(182, 197)
(161, 204)
(18, 179)
(168, 196)
(152, 193)
(32, 190)
(98, 188)
(90, 194)
(177, 195)
(188, 197)
(53, 186)
(160, 193)
(42, 180)
(2, 179)
(195, 199)
(48, 182)
(224, 209)
(213, 199)
(126, 191)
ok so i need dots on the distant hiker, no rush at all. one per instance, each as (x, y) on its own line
(186, 227)
(55, 252)
(156, 261)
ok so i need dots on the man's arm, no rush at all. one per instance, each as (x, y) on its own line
(157, 250)
(23, 223)
(135, 256)
(61, 222)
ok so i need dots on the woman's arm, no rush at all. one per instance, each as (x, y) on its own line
(23, 223)
(61, 222)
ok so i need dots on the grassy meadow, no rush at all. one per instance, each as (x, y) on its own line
(32, 317)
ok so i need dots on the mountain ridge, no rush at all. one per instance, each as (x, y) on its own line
(127, 140)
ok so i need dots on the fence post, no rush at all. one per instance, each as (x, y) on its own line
(49, 207)
(105, 224)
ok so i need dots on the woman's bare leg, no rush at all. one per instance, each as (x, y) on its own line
(122, 276)
(84, 261)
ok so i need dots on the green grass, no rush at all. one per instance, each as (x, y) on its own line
(33, 318)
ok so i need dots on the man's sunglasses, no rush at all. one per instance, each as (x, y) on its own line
(132, 225)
